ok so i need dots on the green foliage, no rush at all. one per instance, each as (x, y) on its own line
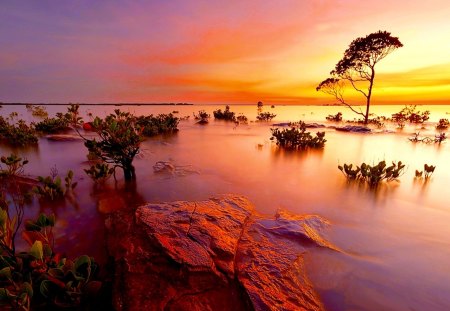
(14, 165)
(160, 124)
(17, 133)
(53, 125)
(43, 278)
(51, 187)
(373, 175)
(225, 115)
(442, 124)
(100, 172)
(265, 116)
(296, 137)
(357, 68)
(335, 118)
(119, 140)
(37, 111)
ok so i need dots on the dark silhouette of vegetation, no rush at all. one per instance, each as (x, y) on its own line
(225, 115)
(411, 115)
(357, 68)
(428, 170)
(202, 117)
(296, 137)
(437, 138)
(442, 124)
(265, 116)
(373, 175)
(335, 118)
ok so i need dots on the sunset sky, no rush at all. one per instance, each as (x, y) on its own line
(205, 51)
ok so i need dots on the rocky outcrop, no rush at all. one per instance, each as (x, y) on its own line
(217, 254)
(353, 129)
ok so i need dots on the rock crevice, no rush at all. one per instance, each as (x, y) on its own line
(217, 254)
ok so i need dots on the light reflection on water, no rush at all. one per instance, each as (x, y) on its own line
(395, 240)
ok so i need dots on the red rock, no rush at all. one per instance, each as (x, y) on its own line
(212, 255)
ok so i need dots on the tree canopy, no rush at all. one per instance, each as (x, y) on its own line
(357, 67)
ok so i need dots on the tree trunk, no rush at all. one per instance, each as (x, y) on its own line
(369, 95)
(128, 171)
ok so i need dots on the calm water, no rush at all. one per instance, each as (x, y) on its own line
(395, 241)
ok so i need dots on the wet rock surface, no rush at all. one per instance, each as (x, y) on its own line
(217, 254)
(353, 129)
(63, 137)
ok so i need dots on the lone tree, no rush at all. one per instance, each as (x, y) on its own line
(357, 68)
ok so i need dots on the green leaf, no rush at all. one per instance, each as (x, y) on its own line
(4, 294)
(5, 272)
(45, 287)
(56, 273)
(37, 250)
(27, 288)
(81, 261)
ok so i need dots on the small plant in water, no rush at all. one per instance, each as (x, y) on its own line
(14, 165)
(100, 172)
(428, 170)
(296, 137)
(202, 117)
(265, 116)
(373, 174)
(51, 187)
(225, 115)
(335, 118)
(442, 124)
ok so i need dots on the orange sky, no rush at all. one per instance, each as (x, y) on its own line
(215, 51)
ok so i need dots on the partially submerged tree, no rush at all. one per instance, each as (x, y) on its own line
(357, 68)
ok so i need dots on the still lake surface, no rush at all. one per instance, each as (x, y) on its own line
(395, 241)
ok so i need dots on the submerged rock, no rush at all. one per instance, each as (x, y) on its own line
(353, 128)
(216, 254)
(168, 168)
(63, 137)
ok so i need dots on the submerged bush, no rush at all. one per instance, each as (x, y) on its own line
(53, 125)
(119, 140)
(373, 175)
(14, 165)
(409, 113)
(442, 124)
(296, 137)
(160, 124)
(225, 115)
(202, 117)
(17, 133)
(51, 187)
(265, 116)
(335, 118)
(100, 172)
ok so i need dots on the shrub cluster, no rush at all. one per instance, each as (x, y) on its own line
(296, 137)
(373, 175)
(17, 133)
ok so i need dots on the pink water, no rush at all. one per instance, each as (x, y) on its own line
(395, 241)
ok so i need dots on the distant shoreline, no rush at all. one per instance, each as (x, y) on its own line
(100, 104)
